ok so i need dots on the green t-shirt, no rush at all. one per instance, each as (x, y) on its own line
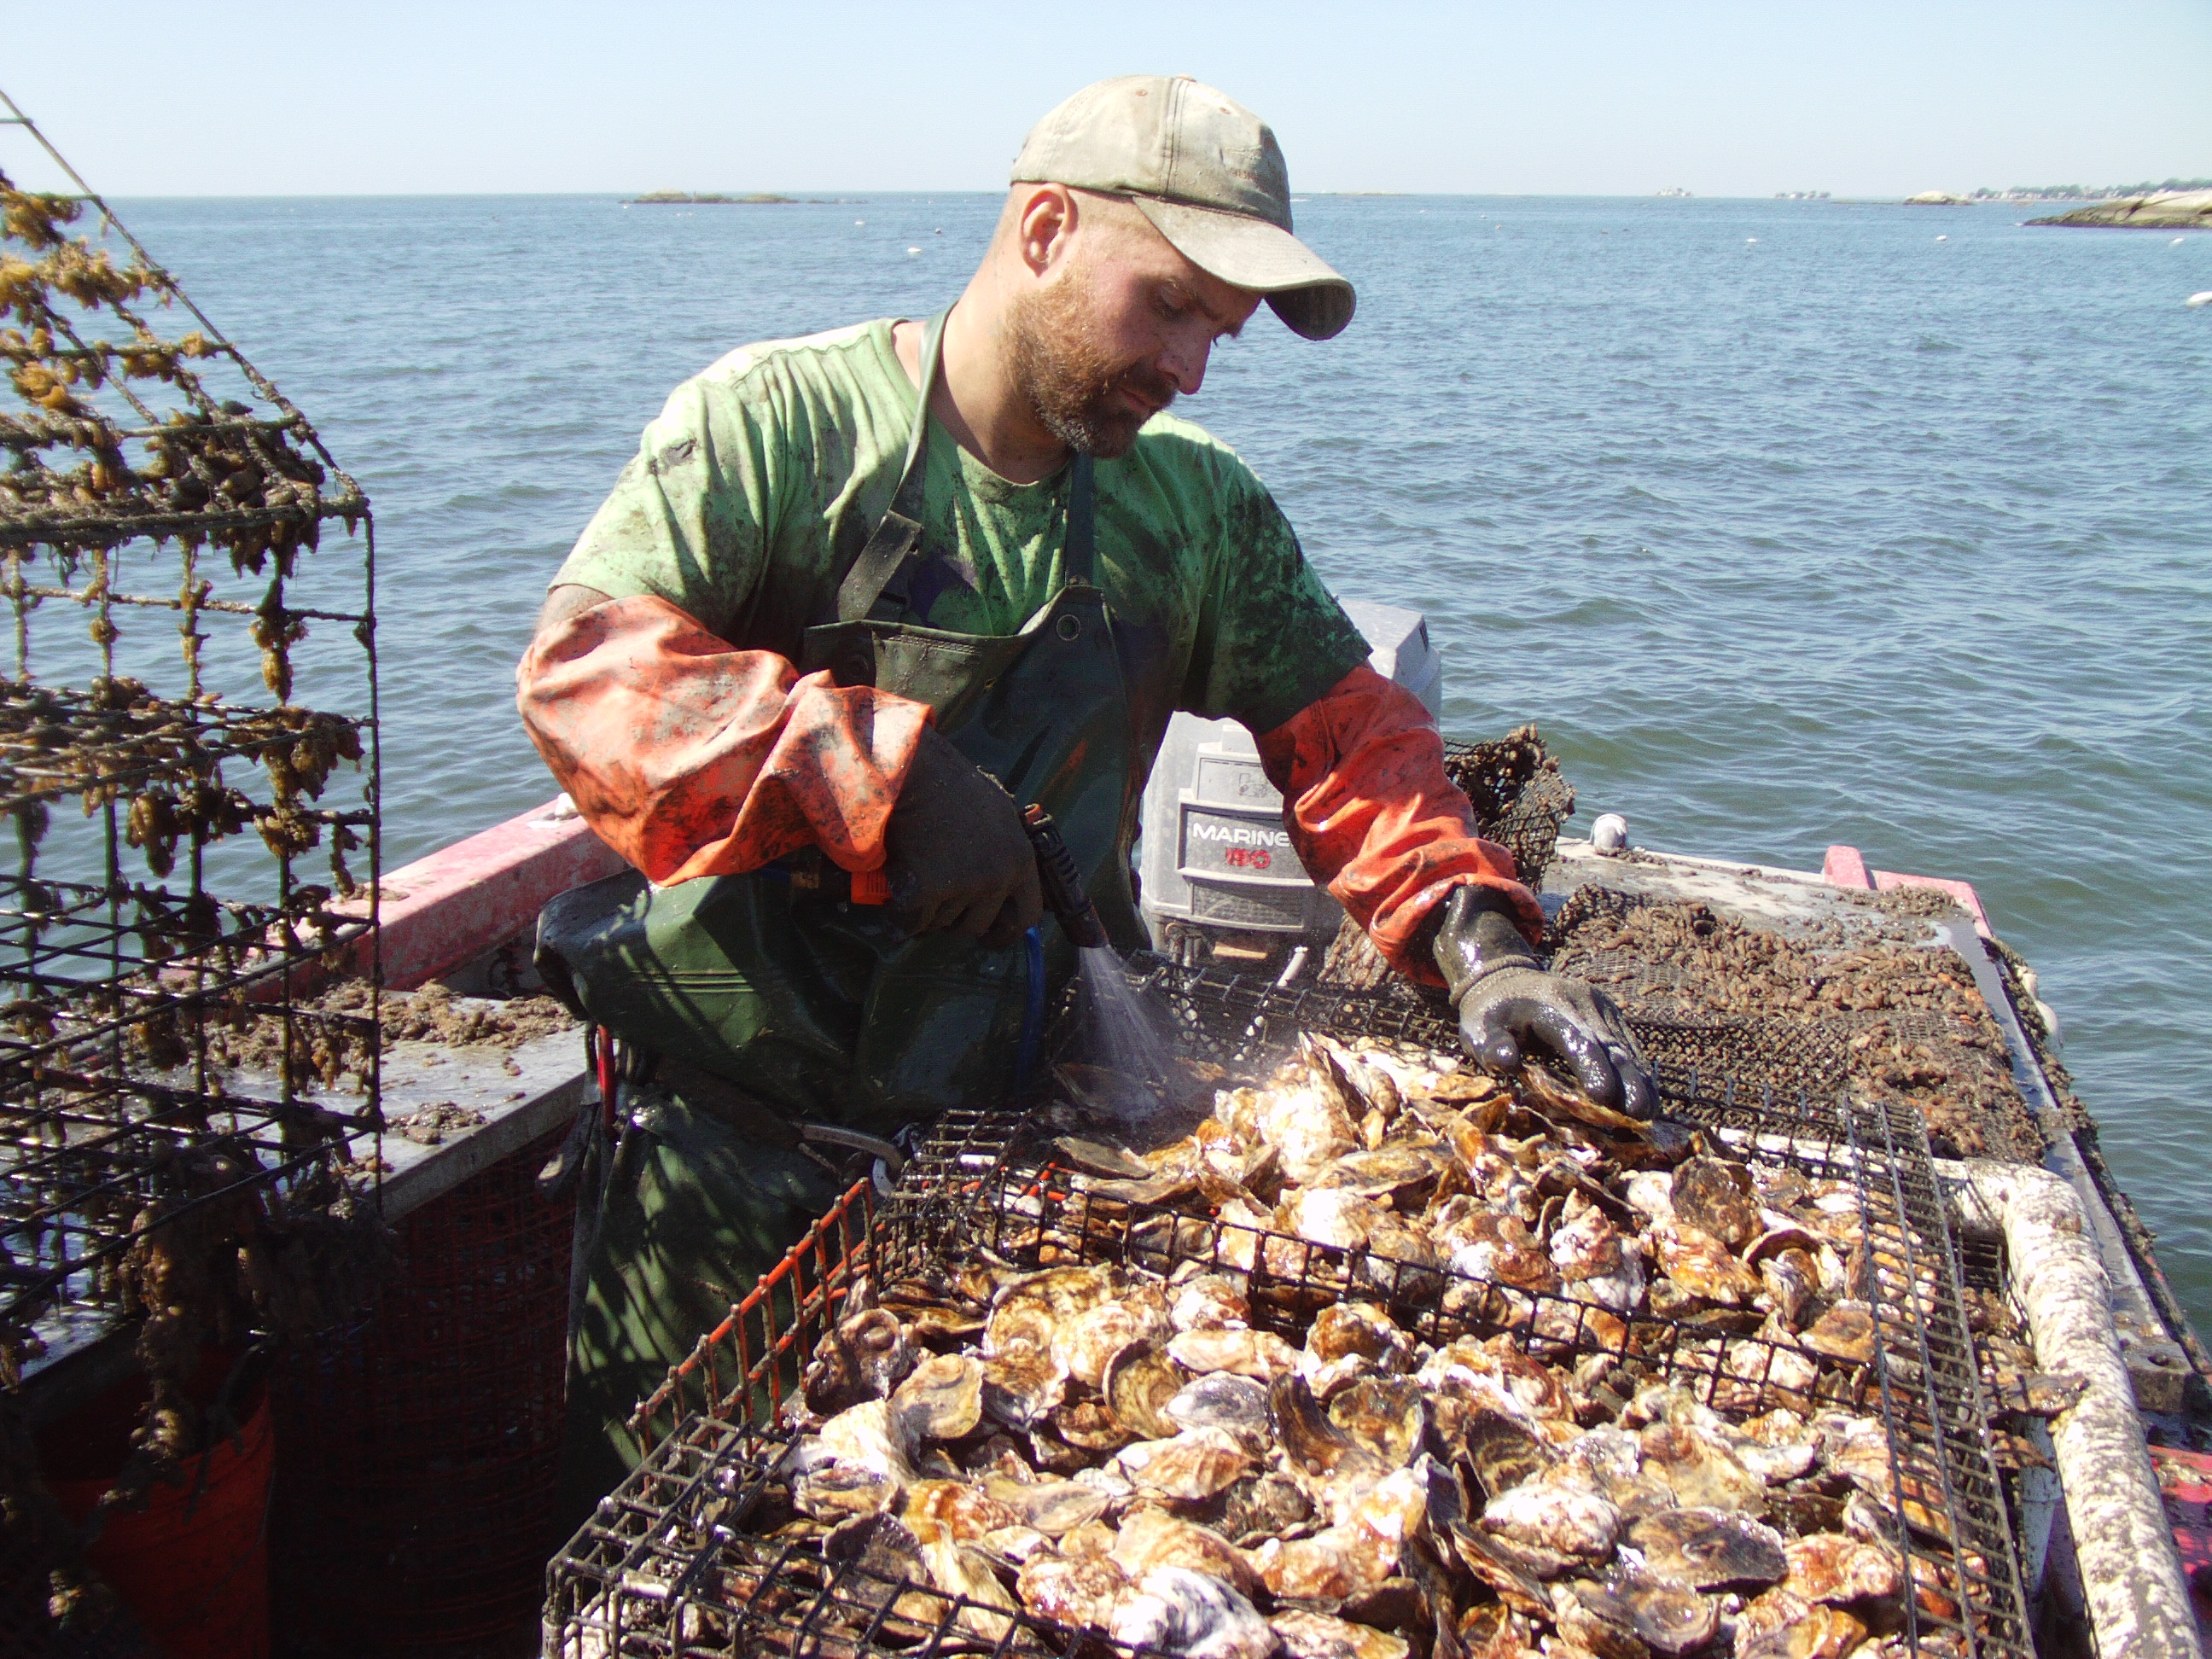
(756, 489)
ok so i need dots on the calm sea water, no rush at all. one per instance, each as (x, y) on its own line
(1791, 522)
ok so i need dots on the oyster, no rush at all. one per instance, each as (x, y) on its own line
(941, 1398)
(1360, 1328)
(1208, 1301)
(868, 1436)
(1666, 1615)
(1831, 1567)
(1717, 1197)
(961, 1570)
(1051, 1507)
(1503, 1449)
(860, 1358)
(965, 1512)
(1321, 1457)
(1696, 1261)
(1709, 1549)
(1261, 1507)
(1023, 1385)
(1150, 1539)
(1792, 1278)
(1072, 1592)
(1699, 1467)
(1781, 1625)
(1194, 1465)
(1085, 1343)
(1844, 1332)
(1596, 1262)
(1033, 1310)
(1315, 1569)
(1401, 1172)
(1324, 1215)
(836, 1492)
(1225, 1401)
(1489, 1561)
(1562, 1519)
(1140, 1382)
(1090, 1425)
(1177, 1611)
(1261, 1354)
(1386, 1415)
(1317, 1636)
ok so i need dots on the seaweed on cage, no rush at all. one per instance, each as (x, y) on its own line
(154, 486)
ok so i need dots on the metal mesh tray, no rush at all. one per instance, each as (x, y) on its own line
(673, 1537)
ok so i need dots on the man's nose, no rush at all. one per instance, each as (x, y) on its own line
(1185, 364)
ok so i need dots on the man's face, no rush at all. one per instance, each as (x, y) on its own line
(1120, 325)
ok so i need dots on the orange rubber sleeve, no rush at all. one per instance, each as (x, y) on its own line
(1372, 815)
(690, 757)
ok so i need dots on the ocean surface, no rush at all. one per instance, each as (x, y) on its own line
(1790, 522)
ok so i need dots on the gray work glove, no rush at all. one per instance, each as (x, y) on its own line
(956, 853)
(1510, 1011)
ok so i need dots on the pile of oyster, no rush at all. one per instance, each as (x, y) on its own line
(1466, 1451)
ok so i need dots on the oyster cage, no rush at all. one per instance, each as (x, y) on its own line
(665, 1566)
(188, 754)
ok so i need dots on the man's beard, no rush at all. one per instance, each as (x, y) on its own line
(1071, 383)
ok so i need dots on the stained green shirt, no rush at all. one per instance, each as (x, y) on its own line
(756, 489)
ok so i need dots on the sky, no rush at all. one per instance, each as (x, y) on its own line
(1866, 98)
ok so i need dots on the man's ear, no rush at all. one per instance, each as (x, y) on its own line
(1046, 226)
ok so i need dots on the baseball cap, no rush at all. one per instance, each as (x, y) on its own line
(1209, 175)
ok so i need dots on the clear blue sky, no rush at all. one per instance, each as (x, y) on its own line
(1867, 97)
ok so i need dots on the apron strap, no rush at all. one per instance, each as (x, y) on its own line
(900, 528)
(893, 538)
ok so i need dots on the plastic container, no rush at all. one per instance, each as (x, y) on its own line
(193, 1565)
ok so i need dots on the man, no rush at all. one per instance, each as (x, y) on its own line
(858, 598)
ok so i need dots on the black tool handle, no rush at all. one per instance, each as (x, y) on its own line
(1062, 882)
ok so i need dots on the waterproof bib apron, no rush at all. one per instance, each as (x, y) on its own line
(812, 1006)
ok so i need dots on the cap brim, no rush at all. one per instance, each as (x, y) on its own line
(1254, 255)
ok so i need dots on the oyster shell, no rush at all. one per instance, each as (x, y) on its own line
(1085, 1343)
(1709, 1549)
(860, 1358)
(1503, 1449)
(1345, 1328)
(1699, 1467)
(1317, 1636)
(1261, 1354)
(1177, 1611)
(965, 1512)
(941, 1398)
(1034, 1310)
(1831, 1567)
(1222, 1400)
(1208, 1301)
(1597, 1262)
(1139, 1383)
(836, 1492)
(1696, 1261)
(868, 1436)
(1666, 1615)
(1564, 1520)
(1388, 1416)
(1781, 1625)
(1844, 1332)
(1051, 1507)
(1316, 1569)
(1261, 1507)
(1193, 1466)
(1151, 1539)
(1401, 1171)
(1023, 1385)
(1071, 1592)
(1716, 1197)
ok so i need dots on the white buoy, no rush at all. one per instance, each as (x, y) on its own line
(1748, 240)
(912, 252)
(860, 221)
(1943, 239)
(1609, 834)
(2203, 298)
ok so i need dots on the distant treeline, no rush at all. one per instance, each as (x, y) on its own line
(2088, 192)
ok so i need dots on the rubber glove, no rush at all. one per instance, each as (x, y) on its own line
(956, 854)
(1512, 1010)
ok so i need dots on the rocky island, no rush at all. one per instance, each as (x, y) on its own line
(2165, 210)
(706, 199)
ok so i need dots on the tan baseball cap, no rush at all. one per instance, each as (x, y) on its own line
(1210, 176)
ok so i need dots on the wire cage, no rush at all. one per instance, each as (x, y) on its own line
(188, 757)
(415, 1493)
(666, 1565)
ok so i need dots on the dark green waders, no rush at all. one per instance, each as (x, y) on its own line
(801, 1006)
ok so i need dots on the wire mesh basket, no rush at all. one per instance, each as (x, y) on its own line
(667, 1565)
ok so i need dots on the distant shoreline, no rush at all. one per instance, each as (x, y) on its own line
(706, 199)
